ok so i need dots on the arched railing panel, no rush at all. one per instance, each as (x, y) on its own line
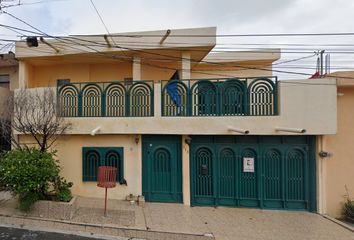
(262, 97)
(175, 99)
(91, 101)
(115, 100)
(68, 100)
(204, 98)
(232, 97)
(140, 98)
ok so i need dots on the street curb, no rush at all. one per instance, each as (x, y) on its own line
(106, 229)
(347, 226)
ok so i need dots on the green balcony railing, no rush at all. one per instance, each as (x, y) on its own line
(107, 99)
(220, 97)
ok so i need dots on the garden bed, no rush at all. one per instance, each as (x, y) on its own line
(54, 209)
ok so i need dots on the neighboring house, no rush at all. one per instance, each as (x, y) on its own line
(206, 139)
(8, 82)
(338, 166)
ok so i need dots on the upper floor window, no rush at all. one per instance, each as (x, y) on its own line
(5, 81)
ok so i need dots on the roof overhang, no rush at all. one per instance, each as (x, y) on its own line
(8, 60)
(254, 56)
(344, 78)
(103, 48)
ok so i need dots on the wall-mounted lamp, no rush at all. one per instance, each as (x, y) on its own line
(238, 130)
(324, 154)
(188, 140)
(136, 139)
(95, 131)
(340, 94)
(293, 130)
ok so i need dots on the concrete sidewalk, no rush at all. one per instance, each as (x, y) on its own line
(176, 221)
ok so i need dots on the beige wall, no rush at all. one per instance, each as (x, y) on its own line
(248, 70)
(69, 153)
(44, 76)
(339, 167)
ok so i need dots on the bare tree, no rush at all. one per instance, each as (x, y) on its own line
(33, 112)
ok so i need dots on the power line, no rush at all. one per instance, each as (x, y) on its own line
(235, 35)
(294, 60)
(31, 3)
(243, 67)
(99, 15)
(216, 49)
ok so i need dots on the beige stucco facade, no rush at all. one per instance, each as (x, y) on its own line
(9, 67)
(307, 104)
(4, 96)
(338, 167)
(69, 153)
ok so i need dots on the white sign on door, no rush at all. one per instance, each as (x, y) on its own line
(248, 164)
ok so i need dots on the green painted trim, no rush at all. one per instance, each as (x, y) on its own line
(102, 151)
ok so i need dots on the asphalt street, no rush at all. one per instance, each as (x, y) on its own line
(11, 233)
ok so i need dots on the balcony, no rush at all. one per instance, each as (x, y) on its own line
(194, 107)
(182, 98)
(107, 99)
(220, 97)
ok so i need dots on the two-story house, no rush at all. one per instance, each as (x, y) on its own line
(183, 124)
(8, 82)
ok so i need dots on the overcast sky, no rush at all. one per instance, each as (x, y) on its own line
(63, 17)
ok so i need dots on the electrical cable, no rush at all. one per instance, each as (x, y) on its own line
(279, 71)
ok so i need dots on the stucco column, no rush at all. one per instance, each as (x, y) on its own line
(136, 68)
(185, 172)
(185, 74)
(23, 75)
(157, 100)
(186, 66)
(321, 177)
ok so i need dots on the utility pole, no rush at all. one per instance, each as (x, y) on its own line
(320, 65)
(321, 62)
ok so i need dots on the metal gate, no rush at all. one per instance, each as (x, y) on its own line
(162, 168)
(253, 171)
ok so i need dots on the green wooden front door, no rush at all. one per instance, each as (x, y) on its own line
(162, 168)
(283, 175)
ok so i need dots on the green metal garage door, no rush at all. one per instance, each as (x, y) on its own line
(253, 171)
